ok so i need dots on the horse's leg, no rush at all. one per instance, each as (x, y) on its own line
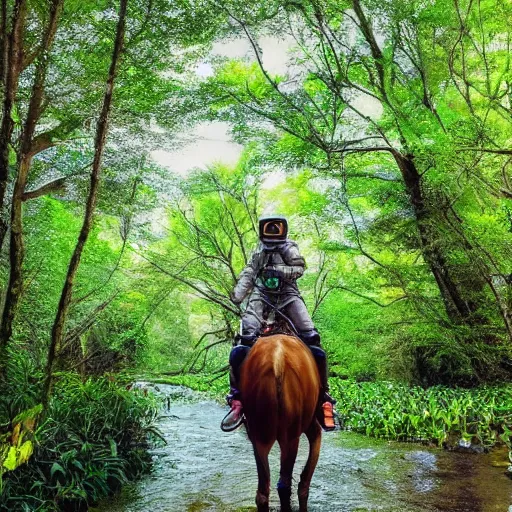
(261, 456)
(314, 435)
(284, 486)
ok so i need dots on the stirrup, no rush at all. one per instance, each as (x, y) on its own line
(233, 427)
(236, 407)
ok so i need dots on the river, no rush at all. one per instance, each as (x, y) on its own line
(202, 469)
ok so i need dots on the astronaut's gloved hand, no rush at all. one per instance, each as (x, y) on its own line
(287, 272)
(274, 271)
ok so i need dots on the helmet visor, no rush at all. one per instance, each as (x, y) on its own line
(274, 229)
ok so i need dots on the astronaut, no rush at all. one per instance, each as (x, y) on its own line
(269, 282)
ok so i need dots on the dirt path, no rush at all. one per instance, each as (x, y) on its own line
(203, 469)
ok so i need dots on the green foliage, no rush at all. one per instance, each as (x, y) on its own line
(16, 448)
(442, 415)
(92, 439)
(399, 108)
(354, 335)
(427, 354)
(169, 340)
(355, 128)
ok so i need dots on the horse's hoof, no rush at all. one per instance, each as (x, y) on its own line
(262, 503)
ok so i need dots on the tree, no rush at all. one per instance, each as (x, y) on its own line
(11, 68)
(24, 159)
(101, 134)
(212, 231)
(67, 90)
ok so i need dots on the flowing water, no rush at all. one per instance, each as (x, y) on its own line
(202, 469)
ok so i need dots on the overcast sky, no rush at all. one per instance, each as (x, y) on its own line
(212, 142)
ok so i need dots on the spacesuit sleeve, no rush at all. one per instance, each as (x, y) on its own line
(294, 263)
(247, 277)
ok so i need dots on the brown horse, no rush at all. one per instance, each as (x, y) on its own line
(280, 387)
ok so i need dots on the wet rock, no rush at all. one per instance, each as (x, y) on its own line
(464, 443)
(465, 446)
(475, 448)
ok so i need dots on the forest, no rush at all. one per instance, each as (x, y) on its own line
(382, 130)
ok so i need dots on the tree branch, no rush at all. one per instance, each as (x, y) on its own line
(57, 185)
(487, 150)
(202, 293)
(365, 297)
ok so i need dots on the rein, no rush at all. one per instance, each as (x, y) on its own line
(277, 310)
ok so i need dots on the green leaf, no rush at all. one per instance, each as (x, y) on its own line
(57, 468)
(24, 452)
(113, 447)
(10, 463)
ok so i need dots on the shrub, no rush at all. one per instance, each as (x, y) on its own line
(93, 438)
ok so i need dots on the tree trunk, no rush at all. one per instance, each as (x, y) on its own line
(503, 304)
(99, 145)
(12, 59)
(458, 308)
(378, 57)
(4, 44)
(24, 161)
(459, 305)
